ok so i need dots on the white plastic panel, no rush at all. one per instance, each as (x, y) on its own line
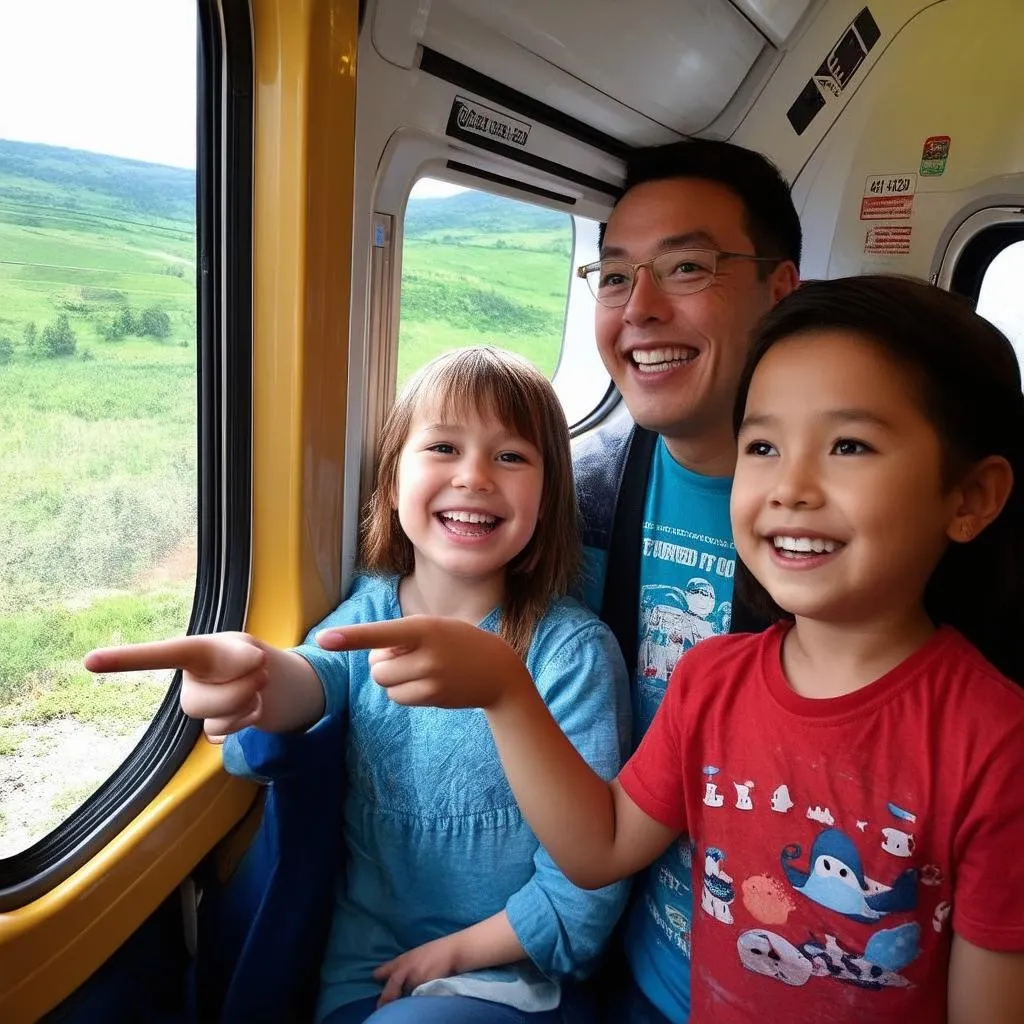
(775, 18)
(398, 26)
(852, 224)
(693, 54)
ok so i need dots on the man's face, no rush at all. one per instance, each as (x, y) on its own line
(677, 359)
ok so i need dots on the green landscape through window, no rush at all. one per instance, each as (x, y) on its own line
(98, 417)
(482, 269)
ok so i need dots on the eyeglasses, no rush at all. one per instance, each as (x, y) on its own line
(678, 272)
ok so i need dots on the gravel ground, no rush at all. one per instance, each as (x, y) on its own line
(55, 767)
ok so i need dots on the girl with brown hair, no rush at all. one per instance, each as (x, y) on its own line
(445, 893)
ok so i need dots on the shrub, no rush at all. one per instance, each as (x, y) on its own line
(58, 338)
(155, 322)
(126, 321)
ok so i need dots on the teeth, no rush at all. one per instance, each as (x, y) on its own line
(818, 545)
(656, 360)
(469, 517)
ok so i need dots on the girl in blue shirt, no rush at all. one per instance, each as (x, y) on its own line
(446, 894)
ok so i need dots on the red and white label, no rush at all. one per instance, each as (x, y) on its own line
(886, 207)
(888, 196)
(890, 240)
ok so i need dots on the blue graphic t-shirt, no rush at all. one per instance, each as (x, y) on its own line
(688, 562)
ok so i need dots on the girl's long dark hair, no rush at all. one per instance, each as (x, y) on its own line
(969, 387)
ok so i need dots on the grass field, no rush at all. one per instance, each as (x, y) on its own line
(474, 294)
(98, 444)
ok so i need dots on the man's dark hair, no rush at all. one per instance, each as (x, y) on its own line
(772, 221)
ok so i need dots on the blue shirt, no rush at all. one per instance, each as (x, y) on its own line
(688, 562)
(434, 839)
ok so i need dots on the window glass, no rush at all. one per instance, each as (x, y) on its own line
(98, 383)
(1001, 299)
(482, 269)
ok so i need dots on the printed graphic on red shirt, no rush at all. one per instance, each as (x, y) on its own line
(828, 873)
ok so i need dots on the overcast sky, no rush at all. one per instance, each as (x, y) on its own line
(110, 76)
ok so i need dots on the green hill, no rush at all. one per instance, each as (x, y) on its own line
(91, 183)
(480, 211)
(87, 235)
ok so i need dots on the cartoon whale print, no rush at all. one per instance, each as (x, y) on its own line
(836, 880)
(830, 960)
(766, 953)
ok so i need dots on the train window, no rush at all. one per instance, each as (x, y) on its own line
(98, 384)
(479, 268)
(1000, 299)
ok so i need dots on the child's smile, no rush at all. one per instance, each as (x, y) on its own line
(803, 550)
(467, 523)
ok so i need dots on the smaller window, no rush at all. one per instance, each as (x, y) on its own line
(1001, 299)
(481, 269)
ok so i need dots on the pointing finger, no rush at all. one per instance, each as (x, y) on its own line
(369, 635)
(212, 658)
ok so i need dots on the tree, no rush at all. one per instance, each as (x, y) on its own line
(155, 322)
(6, 350)
(58, 337)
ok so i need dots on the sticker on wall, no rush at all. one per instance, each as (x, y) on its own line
(935, 154)
(473, 122)
(888, 196)
(835, 71)
(888, 240)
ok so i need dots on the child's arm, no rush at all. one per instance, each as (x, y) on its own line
(583, 683)
(592, 829)
(230, 680)
(986, 966)
(490, 943)
(985, 987)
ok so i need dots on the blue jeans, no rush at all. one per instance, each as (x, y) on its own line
(437, 1010)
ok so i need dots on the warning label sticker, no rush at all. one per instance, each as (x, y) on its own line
(888, 196)
(888, 240)
(886, 207)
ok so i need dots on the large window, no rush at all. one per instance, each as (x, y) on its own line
(98, 417)
(1001, 299)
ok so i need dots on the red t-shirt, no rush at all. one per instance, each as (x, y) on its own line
(838, 841)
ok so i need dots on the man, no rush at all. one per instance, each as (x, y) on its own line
(704, 240)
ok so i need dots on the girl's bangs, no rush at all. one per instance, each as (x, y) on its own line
(474, 384)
